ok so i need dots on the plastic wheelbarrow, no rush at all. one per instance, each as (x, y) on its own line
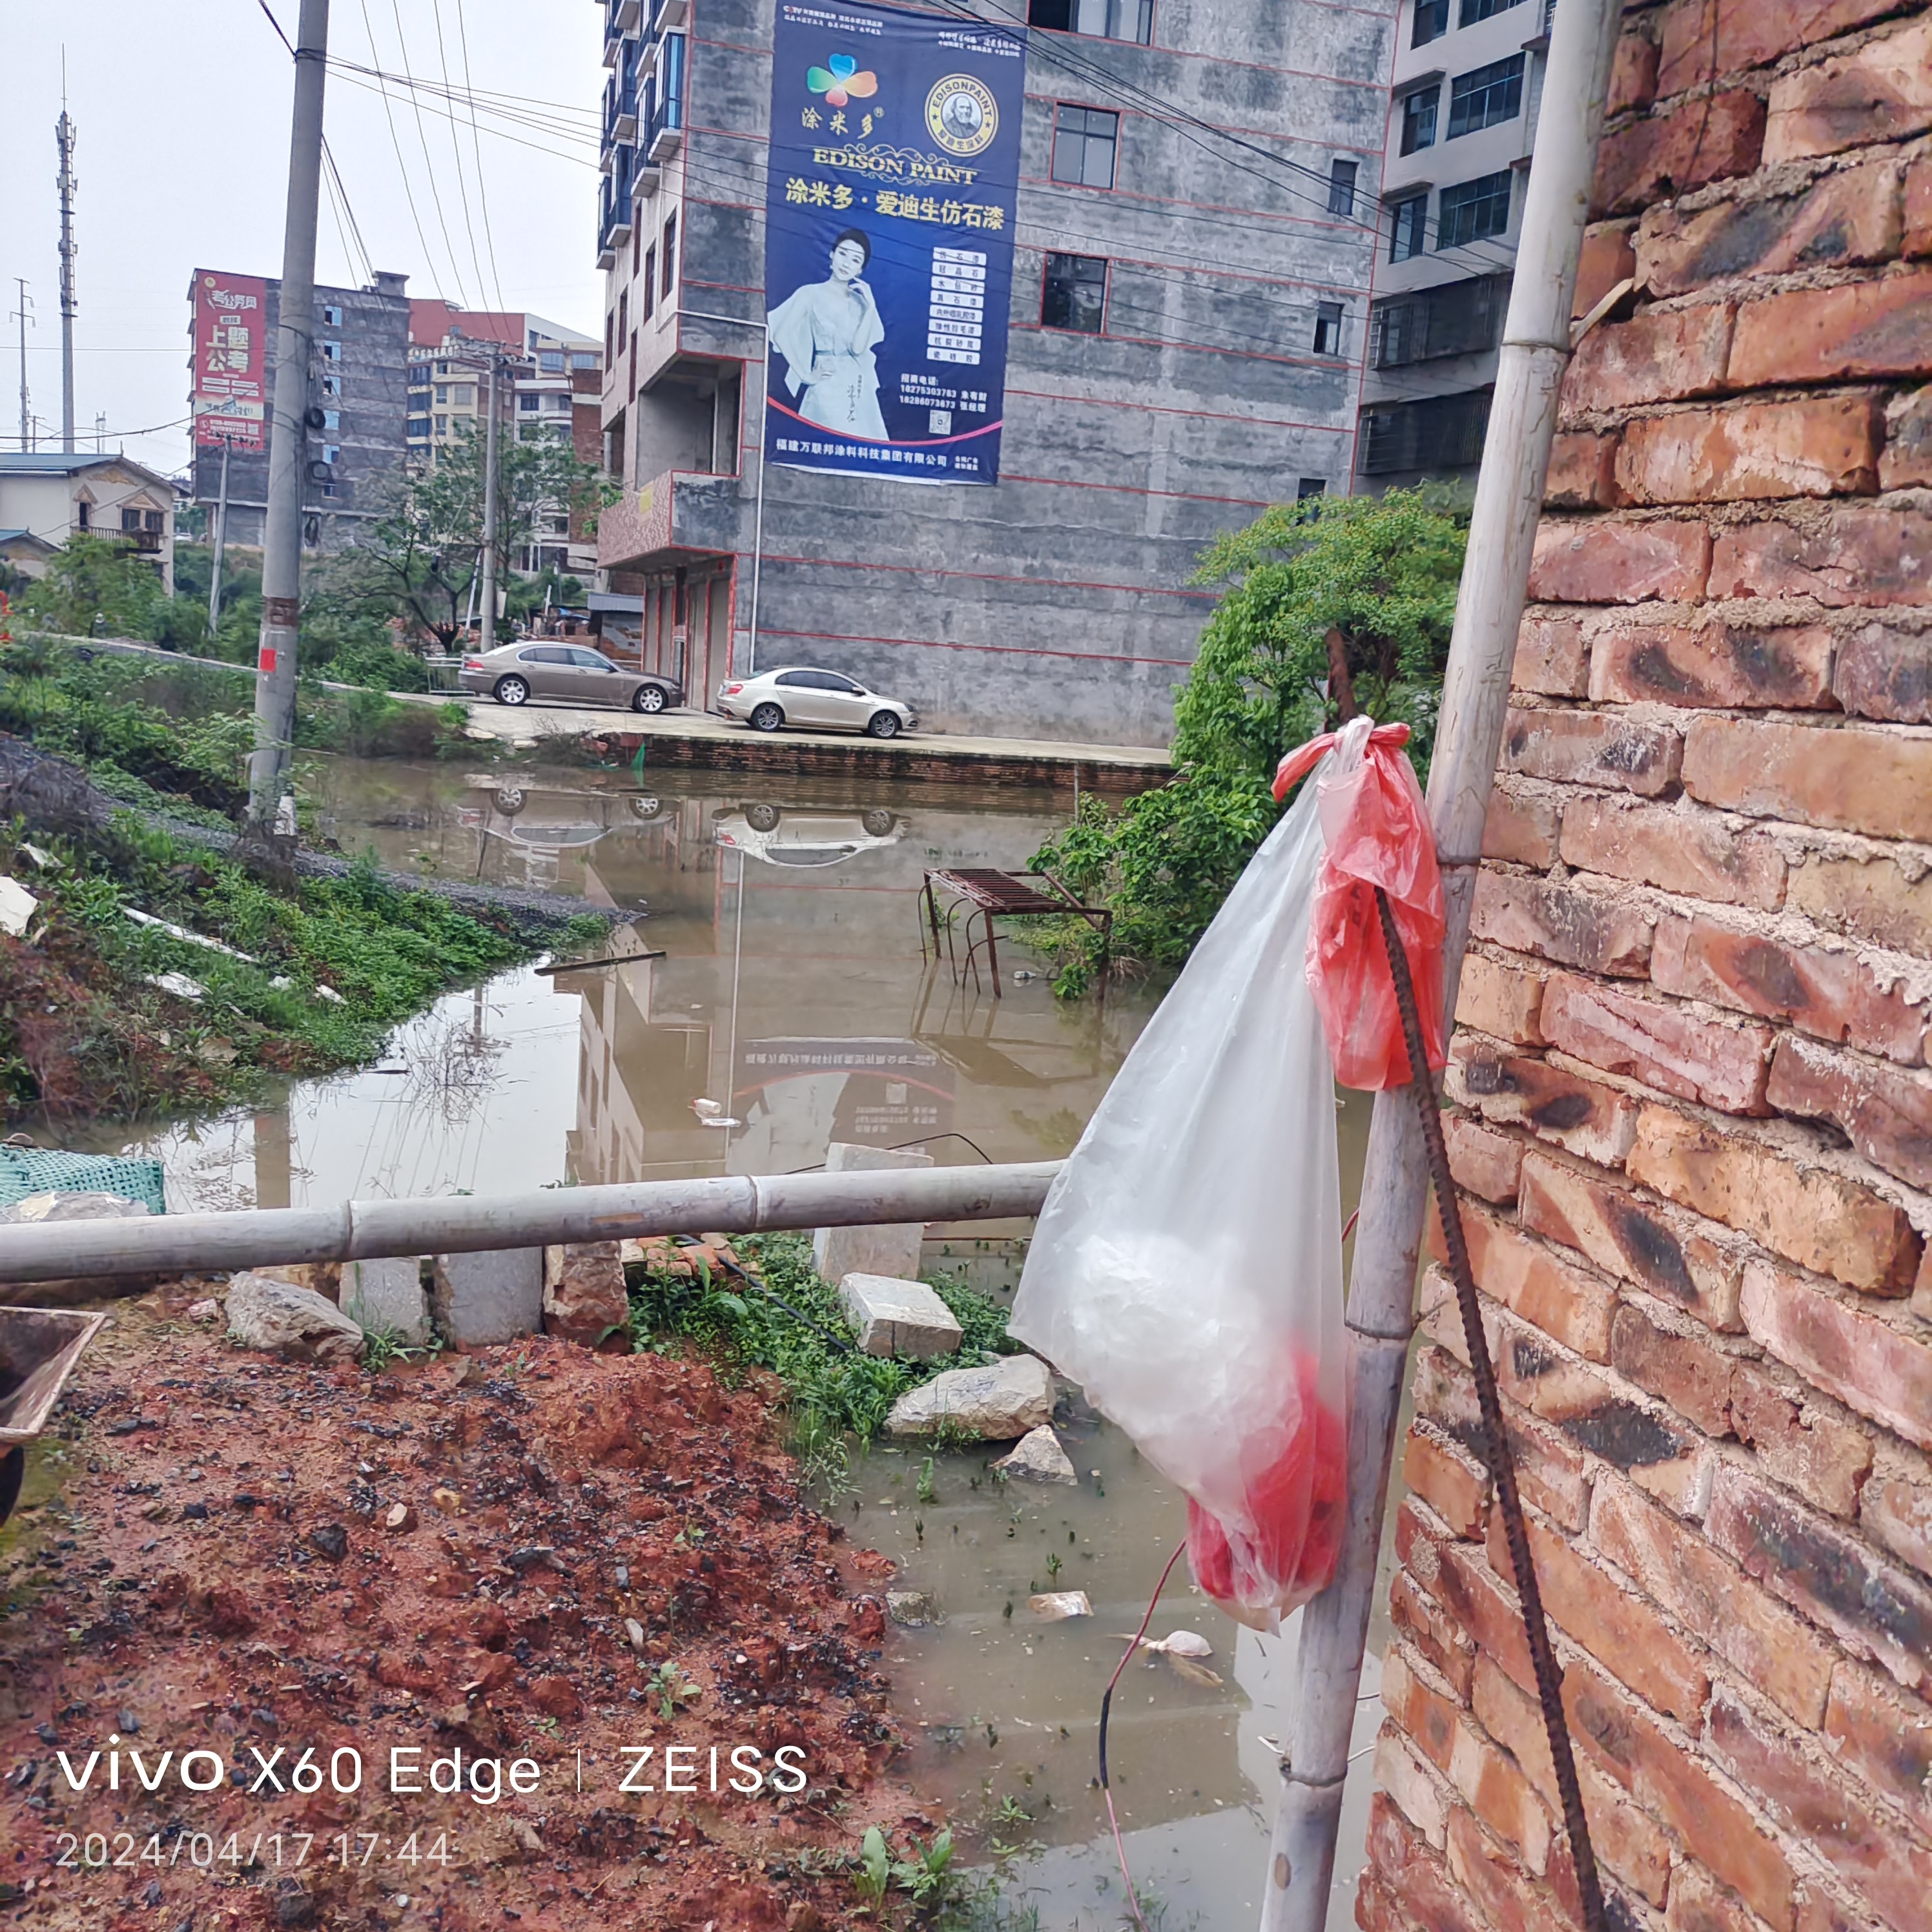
(38, 1349)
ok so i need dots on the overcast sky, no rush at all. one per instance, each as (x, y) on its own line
(182, 112)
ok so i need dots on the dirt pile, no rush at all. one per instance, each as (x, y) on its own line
(325, 1647)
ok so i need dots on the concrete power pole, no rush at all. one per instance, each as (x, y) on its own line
(288, 430)
(489, 638)
(26, 304)
(63, 139)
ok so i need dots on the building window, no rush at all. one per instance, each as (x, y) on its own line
(586, 359)
(609, 336)
(1075, 295)
(443, 393)
(1432, 22)
(634, 366)
(331, 419)
(648, 283)
(624, 316)
(1407, 220)
(669, 257)
(1474, 211)
(1328, 328)
(1105, 20)
(418, 428)
(332, 385)
(331, 351)
(528, 401)
(443, 425)
(1460, 318)
(332, 452)
(1341, 188)
(1309, 487)
(1418, 118)
(1473, 10)
(86, 510)
(1436, 434)
(131, 518)
(1084, 141)
(1490, 95)
(331, 317)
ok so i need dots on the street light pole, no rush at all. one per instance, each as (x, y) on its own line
(288, 430)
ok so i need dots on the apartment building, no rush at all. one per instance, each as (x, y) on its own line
(1468, 77)
(1192, 240)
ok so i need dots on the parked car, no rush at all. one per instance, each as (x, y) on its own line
(797, 694)
(788, 836)
(551, 673)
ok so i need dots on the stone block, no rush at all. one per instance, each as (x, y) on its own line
(285, 1320)
(481, 1299)
(996, 1403)
(1039, 1458)
(887, 1250)
(387, 1294)
(893, 1316)
(584, 1296)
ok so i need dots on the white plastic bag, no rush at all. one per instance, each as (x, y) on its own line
(1187, 1266)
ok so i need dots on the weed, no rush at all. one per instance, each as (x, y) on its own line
(1054, 1566)
(925, 1490)
(382, 1346)
(670, 1687)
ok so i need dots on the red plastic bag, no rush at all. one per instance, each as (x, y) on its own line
(1378, 834)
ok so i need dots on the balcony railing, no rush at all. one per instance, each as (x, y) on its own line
(665, 14)
(667, 119)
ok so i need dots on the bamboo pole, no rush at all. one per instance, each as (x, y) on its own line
(1489, 609)
(457, 1224)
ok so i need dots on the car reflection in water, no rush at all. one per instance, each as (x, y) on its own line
(542, 825)
(804, 836)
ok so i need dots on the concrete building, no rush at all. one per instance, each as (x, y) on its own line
(1468, 74)
(46, 497)
(1186, 339)
(355, 436)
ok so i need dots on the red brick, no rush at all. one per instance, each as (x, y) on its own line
(1429, 1627)
(1876, 1609)
(1881, 92)
(1886, 1739)
(1660, 355)
(1677, 152)
(1591, 748)
(1496, 1791)
(1853, 216)
(1851, 778)
(1699, 1904)
(1705, 40)
(1428, 1715)
(1375, 1907)
(1676, 1568)
(1567, 1303)
(1880, 1370)
(1665, 1045)
(1799, 1443)
(1500, 997)
(1895, 1511)
(1478, 1599)
(1916, 211)
(1616, 1626)
(1905, 461)
(1855, 553)
(1810, 1216)
(1876, 899)
(1483, 1161)
(1681, 848)
(1883, 672)
(1806, 446)
(1600, 562)
(1633, 74)
(1588, 1118)
(1563, 923)
(1884, 1111)
(1521, 827)
(1414, 1866)
(1493, 1875)
(1582, 471)
(1680, 1368)
(1551, 657)
(1657, 1248)
(1880, 327)
(1448, 1478)
(1787, 665)
(1832, 996)
(1607, 259)
(1890, 1868)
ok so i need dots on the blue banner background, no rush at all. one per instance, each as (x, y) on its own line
(906, 128)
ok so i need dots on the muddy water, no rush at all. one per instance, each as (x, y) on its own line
(794, 1005)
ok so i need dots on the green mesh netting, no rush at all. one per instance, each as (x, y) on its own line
(32, 1170)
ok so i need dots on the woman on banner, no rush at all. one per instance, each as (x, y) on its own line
(827, 332)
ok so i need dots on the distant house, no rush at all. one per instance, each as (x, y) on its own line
(46, 497)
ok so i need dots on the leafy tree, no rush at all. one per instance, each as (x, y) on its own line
(95, 587)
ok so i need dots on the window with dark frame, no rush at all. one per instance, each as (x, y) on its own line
(1084, 143)
(1328, 328)
(1460, 318)
(1471, 11)
(1474, 211)
(1408, 219)
(1418, 118)
(1310, 487)
(610, 334)
(634, 366)
(1074, 295)
(1485, 96)
(1434, 432)
(648, 282)
(669, 256)
(1432, 22)
(1103, 19)
(1341, 188)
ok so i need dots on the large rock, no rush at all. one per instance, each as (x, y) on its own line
(1039, 1458)
(482, 1299)
(993, 1404)
(899, 1318)
(292, 1321)
(65, 1204)
(889, 1250)
(584, 1297)
(387, 1295)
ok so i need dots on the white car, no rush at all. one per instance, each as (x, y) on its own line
(789, 836)
(797, 694)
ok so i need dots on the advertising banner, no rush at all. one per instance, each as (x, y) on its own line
(231, 359)
(889, 241)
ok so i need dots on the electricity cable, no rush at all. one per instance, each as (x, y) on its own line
(429, 166)
(395, 141)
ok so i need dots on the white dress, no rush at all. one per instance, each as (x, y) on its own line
(820, 324)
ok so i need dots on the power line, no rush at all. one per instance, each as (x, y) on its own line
(395, 141)
(429, 166)
(476, 145)
(456, 149)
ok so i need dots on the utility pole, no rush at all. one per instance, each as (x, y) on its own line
(288, 430)
(489, 638)
(26, 304)
(64, 140)
(101, 432)
(220, 540)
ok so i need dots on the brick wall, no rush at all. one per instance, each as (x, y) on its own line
(1693, 1118)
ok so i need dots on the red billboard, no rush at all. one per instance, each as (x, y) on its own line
(231, 359)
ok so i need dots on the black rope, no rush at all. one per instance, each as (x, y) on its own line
(1502, 1464)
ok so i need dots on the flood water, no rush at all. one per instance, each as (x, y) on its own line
(796, 1002)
